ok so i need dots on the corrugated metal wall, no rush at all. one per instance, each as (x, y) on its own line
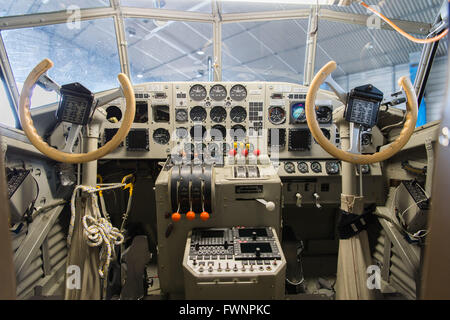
(385, 79)
(399, 276)
(35, 276)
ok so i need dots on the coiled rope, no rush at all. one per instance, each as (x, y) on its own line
(97, 231)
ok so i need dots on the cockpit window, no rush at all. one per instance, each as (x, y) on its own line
(83, 51)
(273, 50)
(377, 56)
(7, 117)
(169, 50)
(19, 7)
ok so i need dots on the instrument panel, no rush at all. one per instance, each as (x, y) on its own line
(206, 120)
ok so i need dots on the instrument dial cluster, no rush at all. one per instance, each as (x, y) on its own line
(215, 115)
(218, 92)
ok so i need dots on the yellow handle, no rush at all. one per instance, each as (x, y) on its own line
(30, 131)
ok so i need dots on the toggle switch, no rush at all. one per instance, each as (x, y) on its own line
(270, 206)
(316, 200)
(299, 200)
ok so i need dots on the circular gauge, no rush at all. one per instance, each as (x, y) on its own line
(277, 115)
(316, 167)
(198, 133)
(189, 148)
(365, 168)
(181, 132)
(181, 115)
(366, 139)
(218, 114)
(213, 149)
(238, 92)
(238, 132)
(113, 113)
(238, 114)
(289, 167)
(218, 92)
(198, 114)
(332, 167)
(161, 136)
(218, 132)
(303, 167)
(197, 92)
(326, 133)
(298, 112)
(200, 147)
(324, 114)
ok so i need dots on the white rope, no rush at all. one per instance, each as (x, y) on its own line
(98, 231)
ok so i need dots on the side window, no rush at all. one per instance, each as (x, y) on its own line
(7, 115)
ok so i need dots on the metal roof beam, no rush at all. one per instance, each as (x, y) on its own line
(159, 14)
(266, 15)
(44, 19)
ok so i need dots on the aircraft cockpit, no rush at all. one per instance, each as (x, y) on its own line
(224, 150)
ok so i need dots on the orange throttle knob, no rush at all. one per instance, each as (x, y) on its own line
(190, 215)
(204, 215)
(176, 217)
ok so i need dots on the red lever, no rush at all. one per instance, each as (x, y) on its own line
(176, 217)
(204, 215)
(190, 215)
